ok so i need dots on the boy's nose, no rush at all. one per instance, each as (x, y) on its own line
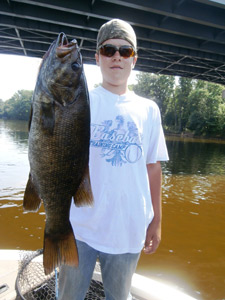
(117, 54)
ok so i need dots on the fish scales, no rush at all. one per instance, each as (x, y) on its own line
(58, 150)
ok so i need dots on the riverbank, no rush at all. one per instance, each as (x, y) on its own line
(193, 137)
(168, 133)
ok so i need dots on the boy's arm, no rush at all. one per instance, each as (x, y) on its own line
(153, 235)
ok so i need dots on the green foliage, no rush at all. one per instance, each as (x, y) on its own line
(1, 108)
(17, 107)
(206, 102)
(188, 105)
(97, 85)
(196, 122)
(158, 88)
(185, 104)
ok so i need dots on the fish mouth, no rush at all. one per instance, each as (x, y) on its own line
(64, 47)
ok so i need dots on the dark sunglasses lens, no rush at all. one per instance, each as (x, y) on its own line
(126, 51)
(107, 50)
(110, 50)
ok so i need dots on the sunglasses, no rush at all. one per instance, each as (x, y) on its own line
(109, 50)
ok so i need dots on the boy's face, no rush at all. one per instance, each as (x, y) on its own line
(115, 69)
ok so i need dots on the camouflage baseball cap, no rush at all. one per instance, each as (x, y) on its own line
(116, 29)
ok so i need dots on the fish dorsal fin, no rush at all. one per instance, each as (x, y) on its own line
(31, 199)
(84, 194)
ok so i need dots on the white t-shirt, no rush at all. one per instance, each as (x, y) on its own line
(126, 134)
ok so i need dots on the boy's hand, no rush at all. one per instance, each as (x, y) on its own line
(153, 237)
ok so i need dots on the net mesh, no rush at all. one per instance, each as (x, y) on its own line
(32, 283)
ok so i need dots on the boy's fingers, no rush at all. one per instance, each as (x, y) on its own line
(151, 247)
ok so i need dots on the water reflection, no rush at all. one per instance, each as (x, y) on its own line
(14, 165)
(16, 130)
(196, 157)
(191, 254)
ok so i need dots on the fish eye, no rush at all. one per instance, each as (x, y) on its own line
(75, 66)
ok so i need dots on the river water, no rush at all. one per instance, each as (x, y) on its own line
(191, 255)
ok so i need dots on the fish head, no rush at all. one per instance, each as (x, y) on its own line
(62, 69)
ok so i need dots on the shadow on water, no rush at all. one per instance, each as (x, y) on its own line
(195, 157)
(191, 254)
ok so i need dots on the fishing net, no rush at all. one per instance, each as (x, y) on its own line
(32, 283)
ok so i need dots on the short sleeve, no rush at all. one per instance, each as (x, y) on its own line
(157, 150)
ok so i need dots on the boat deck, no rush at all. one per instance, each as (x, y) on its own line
(8, 273)
(27, 277)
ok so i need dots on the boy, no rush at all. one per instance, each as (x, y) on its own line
(126, 147)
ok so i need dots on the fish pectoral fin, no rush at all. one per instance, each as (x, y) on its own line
(48, 116)
(84, 194)
(59, 249)
(31, 199)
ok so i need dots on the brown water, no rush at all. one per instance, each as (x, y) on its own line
(192, 252)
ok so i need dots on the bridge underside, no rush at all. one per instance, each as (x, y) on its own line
(175, 37)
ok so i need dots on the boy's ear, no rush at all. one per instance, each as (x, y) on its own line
(134, 61)
(97, 58)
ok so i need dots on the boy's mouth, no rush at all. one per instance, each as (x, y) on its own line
(116, 67)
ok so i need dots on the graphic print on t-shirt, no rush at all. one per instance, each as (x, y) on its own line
(120, 142)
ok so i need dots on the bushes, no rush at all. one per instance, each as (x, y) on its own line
(185, 104)
(17, 107)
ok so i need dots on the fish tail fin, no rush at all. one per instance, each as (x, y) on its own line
(31, 199)
(59, 250)
(84, 194)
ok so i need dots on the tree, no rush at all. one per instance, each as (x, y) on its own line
(182, 93)
(156, 87)
(18, 107)
(213, 103)
(1, 108)
(191, 105)
(206, 109)
(221, 120)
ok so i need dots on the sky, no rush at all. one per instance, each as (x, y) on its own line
(20, 73)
